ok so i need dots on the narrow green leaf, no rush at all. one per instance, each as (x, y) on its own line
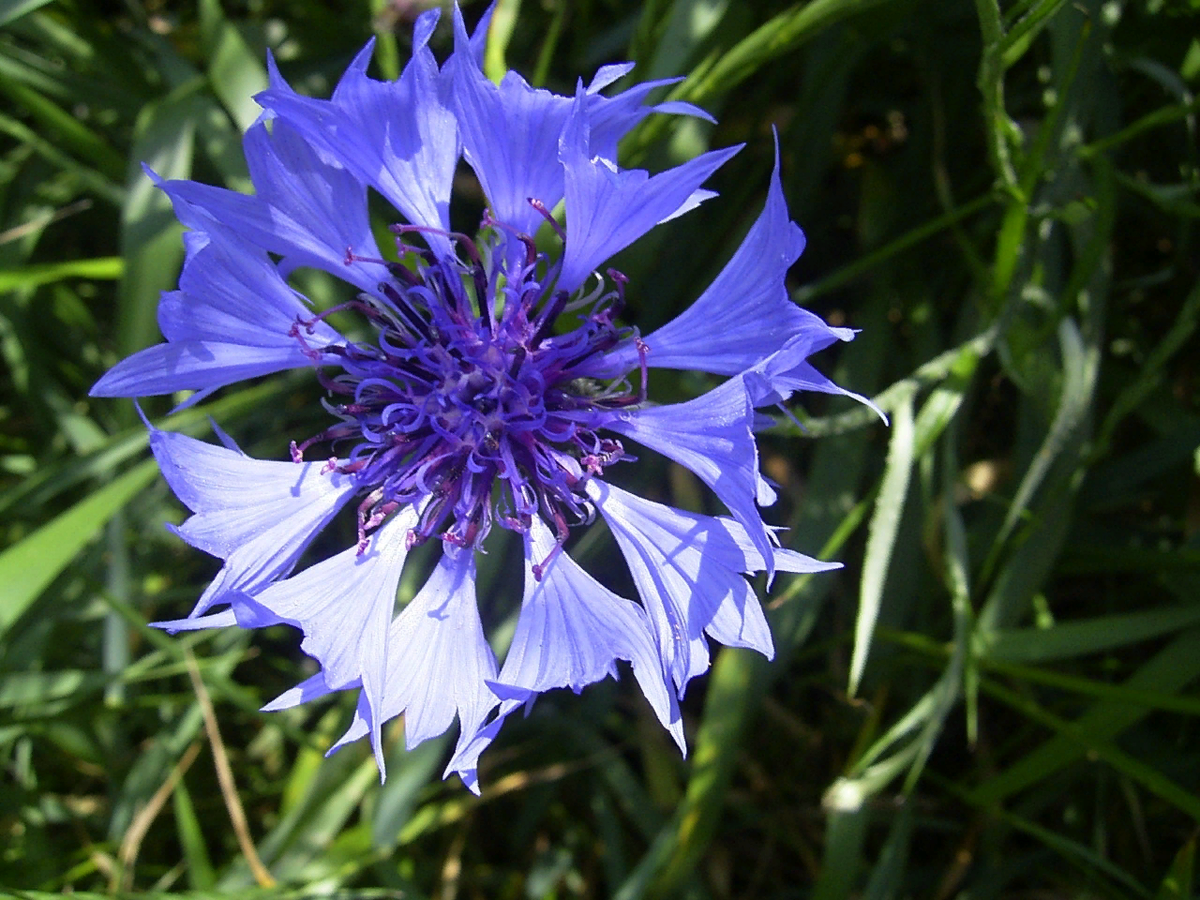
(71, 133)
(31, 688)
(1145, 774)
(191, 838)
(106, 268)
(88, 177)
(235, 71)
(678, 847)
(881, 534)
(11, 10)
(150, 239)
(1025, 29)
(1177, 885)
(689, 25)
(1075, 851)
(1068, 640)
(845, 838)
(409, 771)
(28, 567)
(774, 38)
(1171, 669)
(500, 31)
(1078, 381)
(892, 861)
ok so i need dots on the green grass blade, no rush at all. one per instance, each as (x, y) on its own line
(235, 71)
(150, 239)
(881, 534)
(1179, 881)
(11, 10)
(1170, 670)
(191, 838)
(28, 567)
(1067, 640)
(108, 268)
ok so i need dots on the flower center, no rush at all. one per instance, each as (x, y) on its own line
(467, 403)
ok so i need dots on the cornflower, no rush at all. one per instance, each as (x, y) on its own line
(498, 388)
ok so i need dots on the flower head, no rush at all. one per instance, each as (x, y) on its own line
(497, 388)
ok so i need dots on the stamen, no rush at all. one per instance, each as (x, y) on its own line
(561, 533)
(351, 258)
(618, 278)
(548, 216)
(643, 350)
(545, 320)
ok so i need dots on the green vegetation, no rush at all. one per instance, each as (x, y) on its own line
(996, 698)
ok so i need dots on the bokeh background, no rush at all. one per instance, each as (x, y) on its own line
(996, 698)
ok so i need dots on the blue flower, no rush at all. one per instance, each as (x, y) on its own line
(498, 388)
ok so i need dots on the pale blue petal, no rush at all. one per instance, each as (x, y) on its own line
(302, 186)
(257, 515)
(310, 689)
(233, 293)
(439, 661)
(396, 136)
(214, 210)
(572, 630)
(223, 619)
(697, 197)
(746, 314)
(606, 75)
(344, 606)
(608, 208)
(510, 137)
(611, 118)
(511, 131)
(465, 760)
(776, 378)
(689, 570)
(711, 435)
(193, 366)
(232, 319)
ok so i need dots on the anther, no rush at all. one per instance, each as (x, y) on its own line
(643, 350)
(548, 216)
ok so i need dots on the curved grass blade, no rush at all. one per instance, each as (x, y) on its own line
(28, 567)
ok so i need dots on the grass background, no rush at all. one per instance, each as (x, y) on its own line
(996, 698)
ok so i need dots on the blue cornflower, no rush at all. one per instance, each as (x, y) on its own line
(471, 406)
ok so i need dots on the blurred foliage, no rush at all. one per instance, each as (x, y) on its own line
(996, 698)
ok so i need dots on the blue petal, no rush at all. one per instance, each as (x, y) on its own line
(746, 314)
(231, 320)
(688, 569)
(510, 136)
(301, 185)
(465, 760)
(310, 689)
(438, 659)
(396, 136)
(786, 371)
(223, 619)
(234, 294)
(711, 435)
(193, 366)
(608, 208)
(291, 233)
(511, 131)
(572, 630)
(344, 606)
(257, 515)
(611, 118)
